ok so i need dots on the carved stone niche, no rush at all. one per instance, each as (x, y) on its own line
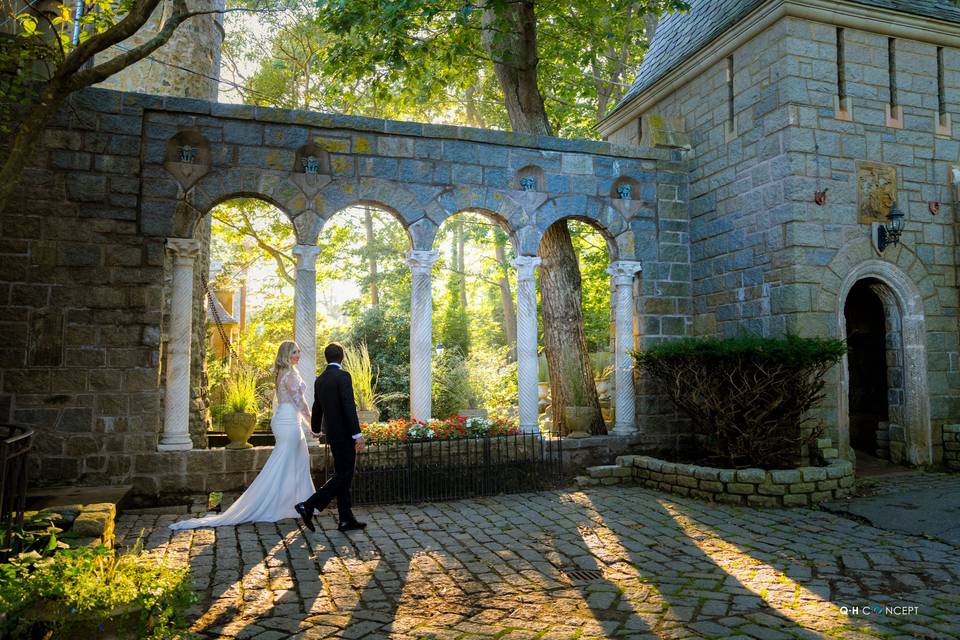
(529, 187)
(625, 195)
(188, 157)
(311, 169)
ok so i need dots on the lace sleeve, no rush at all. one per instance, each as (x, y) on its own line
(293, 389)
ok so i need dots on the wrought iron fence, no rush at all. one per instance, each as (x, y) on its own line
(431, 470)
(15, 443)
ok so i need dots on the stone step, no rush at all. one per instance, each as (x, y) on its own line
(47, 497)
(609, 471)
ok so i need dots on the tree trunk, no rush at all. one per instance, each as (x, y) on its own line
(510, 38)
(24, 142)
(506, 297)
(371, 257)
(563, 334)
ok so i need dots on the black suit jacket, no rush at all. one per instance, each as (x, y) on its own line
(334, 411)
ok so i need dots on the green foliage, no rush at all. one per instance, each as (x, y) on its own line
(241, 392)
(37, 534)
(749, 398)
(593, 258)
(494, 380)
(74, 592)
(356, 360)
(452, 388)
(386, 332)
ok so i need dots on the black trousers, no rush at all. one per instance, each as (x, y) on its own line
(338, 485)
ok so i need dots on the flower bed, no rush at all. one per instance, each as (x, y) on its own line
(458, 427)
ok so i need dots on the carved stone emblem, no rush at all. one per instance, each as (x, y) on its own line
(876, 191)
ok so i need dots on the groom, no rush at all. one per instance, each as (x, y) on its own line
(335, 415)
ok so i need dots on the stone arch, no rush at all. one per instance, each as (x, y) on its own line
(327, 217)
(904, 310)
(202, 213)
(612, 240)
(272, 187)
(494, 217)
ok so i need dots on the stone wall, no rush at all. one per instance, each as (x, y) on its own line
(766, 258)
(951, 446)
(83, 299)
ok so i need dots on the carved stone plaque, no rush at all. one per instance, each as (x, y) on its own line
(876, 191)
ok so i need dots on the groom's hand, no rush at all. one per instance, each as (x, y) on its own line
(359, 444)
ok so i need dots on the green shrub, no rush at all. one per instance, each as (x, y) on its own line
(749, 398)
(386, 332)
(452, 390)
(78, 591)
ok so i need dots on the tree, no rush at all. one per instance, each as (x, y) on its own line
(416, 42)
(44, 64)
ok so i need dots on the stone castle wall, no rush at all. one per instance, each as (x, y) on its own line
(766, 258)
(83, 270)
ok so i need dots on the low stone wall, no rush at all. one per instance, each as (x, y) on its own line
(951, 446)
(83, 525)
(806, 486)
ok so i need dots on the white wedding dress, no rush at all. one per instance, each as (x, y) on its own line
(285, 479)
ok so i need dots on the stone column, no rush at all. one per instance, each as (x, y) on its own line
(623, 272)
(176, 408)
(528, 396)
(305, 320)
(421, 332)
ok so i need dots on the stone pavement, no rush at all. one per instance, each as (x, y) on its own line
(607, 562)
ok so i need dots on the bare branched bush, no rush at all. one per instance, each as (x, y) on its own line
(748, 398)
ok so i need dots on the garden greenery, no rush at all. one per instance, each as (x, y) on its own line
(78, 591)
(749, 398)
(241, 392)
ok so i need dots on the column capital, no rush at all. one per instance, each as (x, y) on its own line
(421, 262)
(185, 250)
(623, 271)
(306, 256)
(525, 266)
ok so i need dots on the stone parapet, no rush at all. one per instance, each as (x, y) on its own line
(951, 446)
(802, 487)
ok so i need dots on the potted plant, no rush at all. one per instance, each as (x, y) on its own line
(240, 415)
(577, 412)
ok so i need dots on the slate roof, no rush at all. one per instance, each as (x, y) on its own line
(681, 35)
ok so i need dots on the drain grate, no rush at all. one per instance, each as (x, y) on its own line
(583, 575)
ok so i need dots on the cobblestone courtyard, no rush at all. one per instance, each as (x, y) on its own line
(608, 562)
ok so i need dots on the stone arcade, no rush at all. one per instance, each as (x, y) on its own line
(731, 193)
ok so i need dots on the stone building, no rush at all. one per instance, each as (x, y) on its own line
(742, 187)
(782, 100)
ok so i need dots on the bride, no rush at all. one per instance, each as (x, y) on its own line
(285, 479)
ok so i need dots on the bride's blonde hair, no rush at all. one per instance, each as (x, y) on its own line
(282, 361)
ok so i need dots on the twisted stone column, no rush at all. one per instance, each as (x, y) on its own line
(528, 396)
(176, 408)
(305, 320)
(623, 272)
(421, 332)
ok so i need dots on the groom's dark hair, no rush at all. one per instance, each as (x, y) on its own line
(334, 352)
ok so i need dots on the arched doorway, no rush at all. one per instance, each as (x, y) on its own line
(867, 364)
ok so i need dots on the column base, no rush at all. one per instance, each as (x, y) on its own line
(175, 446)
(623, 430)
(530, 428)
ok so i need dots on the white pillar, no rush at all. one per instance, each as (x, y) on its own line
(623, 272)
(528, 396)
(305, 320)
(421, 332)
(176, 408)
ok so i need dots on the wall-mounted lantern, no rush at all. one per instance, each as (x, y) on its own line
(889, 234)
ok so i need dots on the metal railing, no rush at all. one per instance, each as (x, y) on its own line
(15, 443)
(431, 470)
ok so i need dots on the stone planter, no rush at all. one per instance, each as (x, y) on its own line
(472, 413)
(366, 417)
(239, 427)
(578, 421)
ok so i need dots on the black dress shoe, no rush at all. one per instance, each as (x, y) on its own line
(306, 515)
(351, 525)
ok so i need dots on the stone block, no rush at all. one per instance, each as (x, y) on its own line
(820, 496)
(824, 443)
(846, 481)
(727, 498)
(92, 524)
(751, 475)
(786, 476)
(830, 454)
(803, 487)
(791, 500)
(711, 485)
(602, 471)
(586, 481)
(687, 481)
(706, 473)
(762, 501)
(812, 474)
(611, 480)
(951, 428)
(668, 467)
(625, 461)
(623, 472)
(771, 489)
(726, 475)
(827, 485)
(741, 488)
